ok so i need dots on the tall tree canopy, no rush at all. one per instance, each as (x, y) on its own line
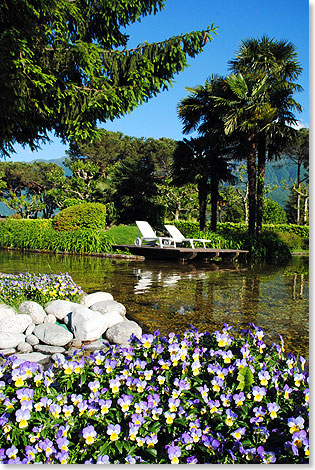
(275, 62)
(65, 66)
(204, 160)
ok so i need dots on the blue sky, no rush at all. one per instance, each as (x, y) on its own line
(236, 20)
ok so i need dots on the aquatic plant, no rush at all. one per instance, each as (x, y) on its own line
(196, 398)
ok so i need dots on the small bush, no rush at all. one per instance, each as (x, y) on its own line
(91, 215)
(294, 242)
(273, 212)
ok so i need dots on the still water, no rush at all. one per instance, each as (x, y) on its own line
(168, 296)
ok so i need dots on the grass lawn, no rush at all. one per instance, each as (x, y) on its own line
(123, 234)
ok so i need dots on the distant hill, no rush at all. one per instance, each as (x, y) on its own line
(59, 161)
(5, 211)
(276, 172)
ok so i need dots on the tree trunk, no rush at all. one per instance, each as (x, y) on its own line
(298, 215)
(261, 182)
(251, 175)
(214, 189)
(202, 196)
(305, 210)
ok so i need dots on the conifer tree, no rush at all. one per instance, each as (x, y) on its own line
(65, 65)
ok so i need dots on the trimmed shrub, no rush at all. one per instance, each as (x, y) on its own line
(89, 215)
(191, 229)
(270, 246)
(294, 241)
(232, 227)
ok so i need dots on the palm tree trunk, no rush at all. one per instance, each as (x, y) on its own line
(261, 182)
(298, 215)
(251, 175)
(202, 196)
(214, 189)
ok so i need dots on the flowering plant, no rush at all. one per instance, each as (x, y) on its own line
(40, 288)
(197, 398)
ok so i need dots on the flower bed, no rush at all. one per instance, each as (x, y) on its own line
(40, 288)
(199, 398)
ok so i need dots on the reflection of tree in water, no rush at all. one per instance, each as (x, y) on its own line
(203, 301)
(298, 286)
(249, 296)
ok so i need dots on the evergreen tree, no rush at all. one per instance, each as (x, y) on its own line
(65, 66)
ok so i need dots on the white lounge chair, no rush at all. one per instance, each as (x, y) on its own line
(178, 237)
(149, 235)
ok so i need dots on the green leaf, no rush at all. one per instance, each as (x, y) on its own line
(245, 378)
(152, 451)
(119, 446)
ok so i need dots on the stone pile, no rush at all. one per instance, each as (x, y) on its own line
(37, 333)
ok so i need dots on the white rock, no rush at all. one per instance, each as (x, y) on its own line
(87, 325)
(67, 319)
(98, 344)
(8, 351)
(32, 339)
(36, 311)
(109, 306)
(9, 339)
(91, 299)
(33, 357)
(47, 349)
(29, 330)
(55, 335)
(6, 311)
(50, 318)
(16, 324)
(60, 308)
(24, 347)
(120, 333)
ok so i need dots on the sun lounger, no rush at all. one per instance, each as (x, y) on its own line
(178, 237)
(149, 235)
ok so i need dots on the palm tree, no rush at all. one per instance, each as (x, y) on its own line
(277, 61)
(197, 162)
(204, 159)
(246, 113)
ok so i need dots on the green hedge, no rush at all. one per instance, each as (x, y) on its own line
(270, 246)
(225, 228)
(301, 230)
(89, 215)
(39, 235)
(191, 229)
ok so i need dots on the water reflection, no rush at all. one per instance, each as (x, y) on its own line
(171, 296)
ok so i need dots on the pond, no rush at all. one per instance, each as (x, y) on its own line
(171, 296)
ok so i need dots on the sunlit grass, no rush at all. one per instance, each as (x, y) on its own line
(123, 234)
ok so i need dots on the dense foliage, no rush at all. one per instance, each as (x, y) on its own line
(301, 230)
(65, 66)
(198, 398)
(39, 235)
(88, 215)
(270, 245)
(273, 212)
